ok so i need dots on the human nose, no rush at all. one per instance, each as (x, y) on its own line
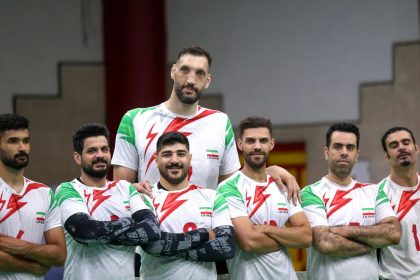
(257, 145)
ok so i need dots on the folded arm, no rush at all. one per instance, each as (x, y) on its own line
(11, 263)
(172, 244)
(53, 253)
(386, 232)
(333, 244)
(297, 235)
(221, 248)
(251, 240)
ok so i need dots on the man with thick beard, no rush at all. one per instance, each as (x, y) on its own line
(259, 211)
(209, 132)
(103, 220)
(185, 207)
(402, 186)
(31, 236)
(349, 220)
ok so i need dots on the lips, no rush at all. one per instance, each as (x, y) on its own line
(403, 154)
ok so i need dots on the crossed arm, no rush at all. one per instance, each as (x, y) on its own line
(266, 238)
(349, 241)
(141, 228)
(18, 255)
(197, 245)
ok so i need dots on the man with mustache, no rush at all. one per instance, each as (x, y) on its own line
(209, 131)
(260, 211)
(349, 220)
(185, 207)
(31, 236)
(402, 186)
(103, 220)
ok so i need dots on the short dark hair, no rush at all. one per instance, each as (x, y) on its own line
(86, 131)
(343, 127)
(196, 51)
(393, 130)
(12, 122)
(254, 122)
(170, 138)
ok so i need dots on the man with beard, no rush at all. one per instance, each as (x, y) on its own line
(31, 236)
(259, 211)
(402, 186)
(103, 220)
(349, 220)
(184, 207)
(209, 131)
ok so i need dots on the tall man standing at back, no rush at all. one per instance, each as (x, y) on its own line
(209, 131)
(31, 236)
(402, 186)
(349, 220)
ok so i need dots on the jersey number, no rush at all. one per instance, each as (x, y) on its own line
(189, 227)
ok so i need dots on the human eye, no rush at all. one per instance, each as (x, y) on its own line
(184, 69)
(351, 147)
(337, 146)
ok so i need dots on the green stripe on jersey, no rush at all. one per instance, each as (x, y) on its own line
(310, 198)
(126, 128)
(66, 191)
(133, 191)
(220, 203)
(229, 134)
(53, 201)
(147, 201)
(228, 188)
(381, 197)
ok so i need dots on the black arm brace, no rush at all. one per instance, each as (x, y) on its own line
(223, 247)
(145, 230)
(171, 244)
(87, 231)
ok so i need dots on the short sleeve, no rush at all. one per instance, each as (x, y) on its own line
(314, 208)
(125, 151)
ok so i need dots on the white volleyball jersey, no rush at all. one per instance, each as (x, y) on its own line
(116, 200)
(183, 211)
(328, 204)
(209, 132)
(27, 215)
(263, 203)
(402, 261)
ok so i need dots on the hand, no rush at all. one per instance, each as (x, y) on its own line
(12, 245)
(285, 182)
(39, 269)
(212, 235)
(144, 187)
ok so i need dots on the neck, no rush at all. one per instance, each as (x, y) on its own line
(338, 180)
(259, 175)
(92, 181)
(12, 177)
(173, 187)
(405, 176)
(175, 106)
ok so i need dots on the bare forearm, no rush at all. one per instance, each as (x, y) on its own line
(47, 255)
(375, 236)
(258, 242)
(291, 237)
(11, 263)
(335, 245)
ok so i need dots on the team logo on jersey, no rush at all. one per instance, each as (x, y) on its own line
(282, 208)
(212, 154)
(40, 217)
(368, 212)
(127, 205)
(205, 211)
